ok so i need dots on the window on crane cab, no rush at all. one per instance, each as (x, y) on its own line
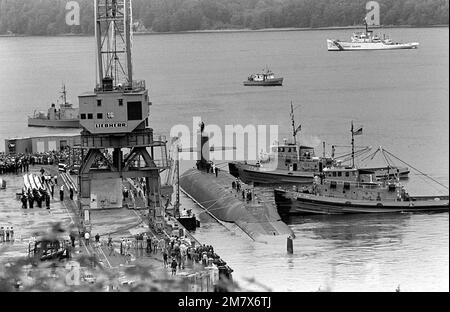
(134, 110)
(99, 116)
(120, 102)
(339, 174)
(90, 116)
(99, 102)
(83, 116)
(333, 185)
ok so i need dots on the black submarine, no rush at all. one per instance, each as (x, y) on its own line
(218, 194)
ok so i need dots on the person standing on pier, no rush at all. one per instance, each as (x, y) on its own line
(216, 170)
(174, 265)
(31, 200)
(166, 263)
(61, 193)
(24, 201)
(47, 201)
(72, 239)
(87, 236)
(71, 193)
(52, 189)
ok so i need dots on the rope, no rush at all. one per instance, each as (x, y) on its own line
(424, 174)
(372, 156)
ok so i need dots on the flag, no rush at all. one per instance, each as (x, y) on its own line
(358, 131)
(298, 129)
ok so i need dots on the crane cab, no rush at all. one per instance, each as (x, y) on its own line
(114, 109)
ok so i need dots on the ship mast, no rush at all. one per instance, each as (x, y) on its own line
(294, 129)
(353, 146)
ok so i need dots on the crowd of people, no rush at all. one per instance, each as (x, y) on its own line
(6, 234)
(181, 250)
(20, 163)
(247, 194)
(209, 167)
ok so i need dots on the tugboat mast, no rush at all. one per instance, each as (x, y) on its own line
(353, 142)
(64, 94)
(294, 129)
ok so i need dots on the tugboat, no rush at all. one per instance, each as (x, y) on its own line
(368, 41)
(292, 163)
(287, 163)
(65, 116)
(265, 78)
(345, 190)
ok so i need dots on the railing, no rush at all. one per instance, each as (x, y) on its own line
(136, 85)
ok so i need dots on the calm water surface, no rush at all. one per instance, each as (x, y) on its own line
(400, 97)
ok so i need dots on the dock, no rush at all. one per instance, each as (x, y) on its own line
(117, 224)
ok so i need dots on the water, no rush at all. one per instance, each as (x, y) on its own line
(400, 97)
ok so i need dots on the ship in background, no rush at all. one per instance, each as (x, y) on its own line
(265, 78)
(367, 40)
(66, 116)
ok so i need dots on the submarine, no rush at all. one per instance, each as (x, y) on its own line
(217, 193)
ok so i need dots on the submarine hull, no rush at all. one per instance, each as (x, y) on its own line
(216, 195)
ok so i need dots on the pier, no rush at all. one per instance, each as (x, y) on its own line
(113, 226)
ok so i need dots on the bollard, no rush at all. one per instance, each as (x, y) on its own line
(290, 245)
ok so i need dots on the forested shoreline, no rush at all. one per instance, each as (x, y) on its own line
(48, 17)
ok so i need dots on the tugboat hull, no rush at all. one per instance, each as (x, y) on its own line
(294, 203)
(252, 174)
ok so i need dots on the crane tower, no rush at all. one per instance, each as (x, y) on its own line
(114, 120)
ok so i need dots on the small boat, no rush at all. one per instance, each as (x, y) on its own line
(2, 184)
(265, 78)
(368, 41)
(65, 116)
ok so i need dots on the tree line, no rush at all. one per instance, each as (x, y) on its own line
(48, 17)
